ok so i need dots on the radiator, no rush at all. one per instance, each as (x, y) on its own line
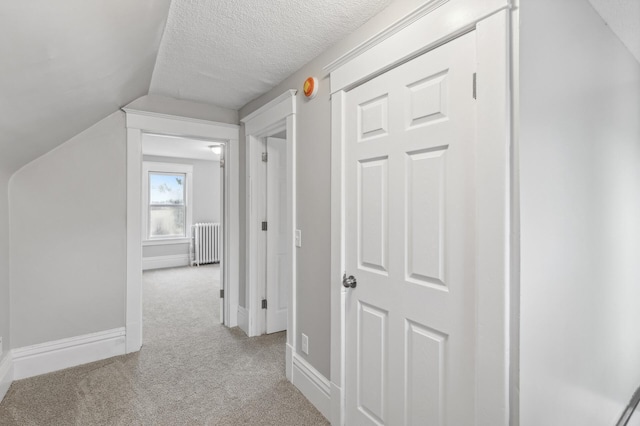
(206, 243)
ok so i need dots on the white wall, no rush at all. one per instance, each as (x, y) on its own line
(68, 241)
(313, 187)
(206, 199)
(4, 264)
(580, 217)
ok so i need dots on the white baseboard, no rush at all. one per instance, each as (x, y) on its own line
(60, 354)
(313, 385)
(172, 261)
(6, 374)
(337, 417)
(288, 362)
(234, 316)
(243, 319)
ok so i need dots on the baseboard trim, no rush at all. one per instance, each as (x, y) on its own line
(6, 374)
(337, 417)
(288, 366)
(243, 319)
(313, 385)
(47, 357)
(159, 262)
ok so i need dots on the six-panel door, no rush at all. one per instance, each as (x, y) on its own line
(410, 242)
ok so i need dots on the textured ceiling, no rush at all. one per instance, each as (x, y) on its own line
(67, 64)
(228, 52)
(623, 17)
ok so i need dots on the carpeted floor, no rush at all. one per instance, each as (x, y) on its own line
(190, 371)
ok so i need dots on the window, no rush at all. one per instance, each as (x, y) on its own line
(167, 210)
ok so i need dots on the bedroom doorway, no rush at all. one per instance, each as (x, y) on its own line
(183, 208)
(210, 135)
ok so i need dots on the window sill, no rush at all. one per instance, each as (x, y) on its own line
(165, 241)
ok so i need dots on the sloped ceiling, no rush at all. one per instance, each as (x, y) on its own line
(623, 17)
(228, 52)
(67, 64)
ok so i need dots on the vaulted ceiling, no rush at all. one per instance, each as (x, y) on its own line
(67, 64)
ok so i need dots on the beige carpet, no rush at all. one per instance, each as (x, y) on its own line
(190, 371)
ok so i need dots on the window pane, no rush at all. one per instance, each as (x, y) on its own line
(166, 188)
(166, 221)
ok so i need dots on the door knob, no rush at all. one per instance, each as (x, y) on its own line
(349, 282)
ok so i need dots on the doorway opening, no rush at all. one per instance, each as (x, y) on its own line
(142, 125)
(183, 210)
(269, 303)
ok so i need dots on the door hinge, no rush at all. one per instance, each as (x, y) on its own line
(475, 86)
(221, 293)
(264, 226)
(265, 157)
(264, 303)
(222, 163)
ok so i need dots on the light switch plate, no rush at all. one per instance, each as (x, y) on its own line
(298, 238)
(305, 344)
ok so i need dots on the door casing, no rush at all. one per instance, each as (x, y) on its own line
(139, 122)
(274, 117)
(431, 25)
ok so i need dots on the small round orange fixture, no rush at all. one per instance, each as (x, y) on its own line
(310, 87)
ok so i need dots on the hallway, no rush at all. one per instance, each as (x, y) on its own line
(191, 370)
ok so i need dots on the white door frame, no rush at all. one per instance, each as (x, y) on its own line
(430, 26)
(270, 119)
(139, 122)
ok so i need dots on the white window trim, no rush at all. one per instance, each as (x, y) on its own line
(187, 170)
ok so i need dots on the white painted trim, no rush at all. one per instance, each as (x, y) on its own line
(288, 366)
(64, 353)
(426, 28)
(243, 320)
(262, 119)
(169, 261)
(313, 385)
(493, 221)
(6, 374)
(143, 119)
(286, 96)
(337, 396)
(272, 118)
(338, 292)
(166, 241)
(388, 32)
(490, 18)
(228, 134)
(133, 308)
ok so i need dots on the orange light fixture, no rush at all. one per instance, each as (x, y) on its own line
(310, 87)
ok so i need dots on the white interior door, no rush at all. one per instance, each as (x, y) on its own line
(410, 242)
(278, 246)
